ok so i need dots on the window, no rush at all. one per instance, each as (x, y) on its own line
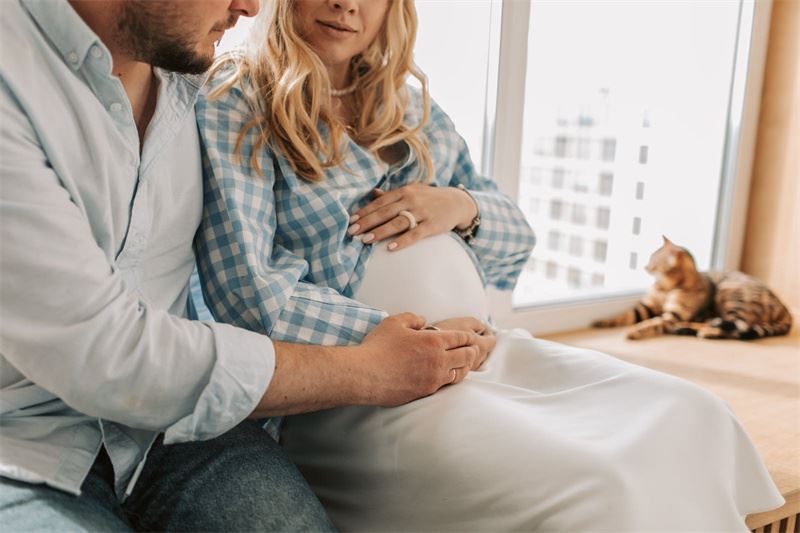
(632, 261)
(600, 251)
(598, 279)
(643, 155)
(552, 270)
(556, 207)
(606, 184)
(578, 214)
(637, 225)
(558, 178)
(553, 240)
(603, 218)
(639, 190)
(560, 149)
(575, 245)
(574, 277)
(609, 149)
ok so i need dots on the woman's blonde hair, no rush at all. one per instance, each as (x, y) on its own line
(288, 87)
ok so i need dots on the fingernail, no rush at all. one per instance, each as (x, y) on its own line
(368, 237)
(392, 245)
(354, 228)
(354, 218)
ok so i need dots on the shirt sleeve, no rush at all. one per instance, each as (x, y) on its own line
(504, 240)
(68, 323)
(248, 278)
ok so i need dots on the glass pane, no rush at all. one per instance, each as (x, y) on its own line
(456, 66)
(623, 134)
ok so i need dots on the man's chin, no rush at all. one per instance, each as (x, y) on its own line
(184, 62)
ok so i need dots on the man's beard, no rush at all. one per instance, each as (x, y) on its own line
(150, 31)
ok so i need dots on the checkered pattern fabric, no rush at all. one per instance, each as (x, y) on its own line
(273, 251)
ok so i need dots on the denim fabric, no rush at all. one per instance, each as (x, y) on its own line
(240, 481)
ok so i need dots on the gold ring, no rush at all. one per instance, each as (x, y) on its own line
(412, 221)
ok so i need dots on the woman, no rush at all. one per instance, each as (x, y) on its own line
(336, 193)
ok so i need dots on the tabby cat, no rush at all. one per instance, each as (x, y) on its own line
(715, 305)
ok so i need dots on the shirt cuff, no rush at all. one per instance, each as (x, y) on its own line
(245, 364)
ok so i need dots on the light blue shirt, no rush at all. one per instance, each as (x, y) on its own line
(96, 254)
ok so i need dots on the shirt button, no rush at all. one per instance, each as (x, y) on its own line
(96, 52)
(116, 107)
(72, 57)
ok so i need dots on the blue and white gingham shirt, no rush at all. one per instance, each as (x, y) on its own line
(273, 250)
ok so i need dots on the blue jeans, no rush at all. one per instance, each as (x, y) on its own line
(240, 481)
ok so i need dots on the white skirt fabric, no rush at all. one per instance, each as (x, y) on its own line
(543, 437)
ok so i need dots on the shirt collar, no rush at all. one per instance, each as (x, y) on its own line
(65, 29)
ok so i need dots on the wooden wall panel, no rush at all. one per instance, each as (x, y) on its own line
(772, 239)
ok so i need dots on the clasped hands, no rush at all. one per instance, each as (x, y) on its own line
(435, 210)
(404, 362)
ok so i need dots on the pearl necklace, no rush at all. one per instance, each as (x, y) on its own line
(345, 91)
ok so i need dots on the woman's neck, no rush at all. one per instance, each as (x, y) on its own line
(339, 75)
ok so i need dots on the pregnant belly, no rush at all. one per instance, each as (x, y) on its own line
(434, 277)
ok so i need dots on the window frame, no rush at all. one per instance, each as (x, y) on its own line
(503, 143)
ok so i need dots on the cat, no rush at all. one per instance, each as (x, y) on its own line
(714, 305)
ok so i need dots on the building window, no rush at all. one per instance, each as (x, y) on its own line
(598, 279)
(606, 184)
(558, 178)
(632, 261)
(561, 146)
(603, 217)
(609, 149)
(575, 245)
(578, 214)
(551, 270)
(643, 155)
(637, 225)
(553, 240)
(574, 277)
(639, 190)
(600, 251)
(556, 207)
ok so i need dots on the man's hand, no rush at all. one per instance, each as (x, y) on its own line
(398, 362)
(401, 362)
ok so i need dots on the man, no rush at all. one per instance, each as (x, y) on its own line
(100, 197)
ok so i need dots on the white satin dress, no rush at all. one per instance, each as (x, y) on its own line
(544, 437)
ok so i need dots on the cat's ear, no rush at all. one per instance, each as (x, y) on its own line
(666, 241)
(672, 259)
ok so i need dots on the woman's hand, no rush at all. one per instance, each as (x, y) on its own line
(485, 341)
(435, 209)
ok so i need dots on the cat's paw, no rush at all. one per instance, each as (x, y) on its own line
(635, 334)
(710, 332)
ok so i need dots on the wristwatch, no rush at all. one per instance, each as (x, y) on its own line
(468, 233)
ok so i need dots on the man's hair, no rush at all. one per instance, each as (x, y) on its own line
(288, 86)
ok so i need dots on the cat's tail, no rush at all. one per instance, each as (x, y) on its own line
(639, 313)
(737, 328)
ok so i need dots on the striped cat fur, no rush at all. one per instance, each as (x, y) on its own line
(714, 305)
